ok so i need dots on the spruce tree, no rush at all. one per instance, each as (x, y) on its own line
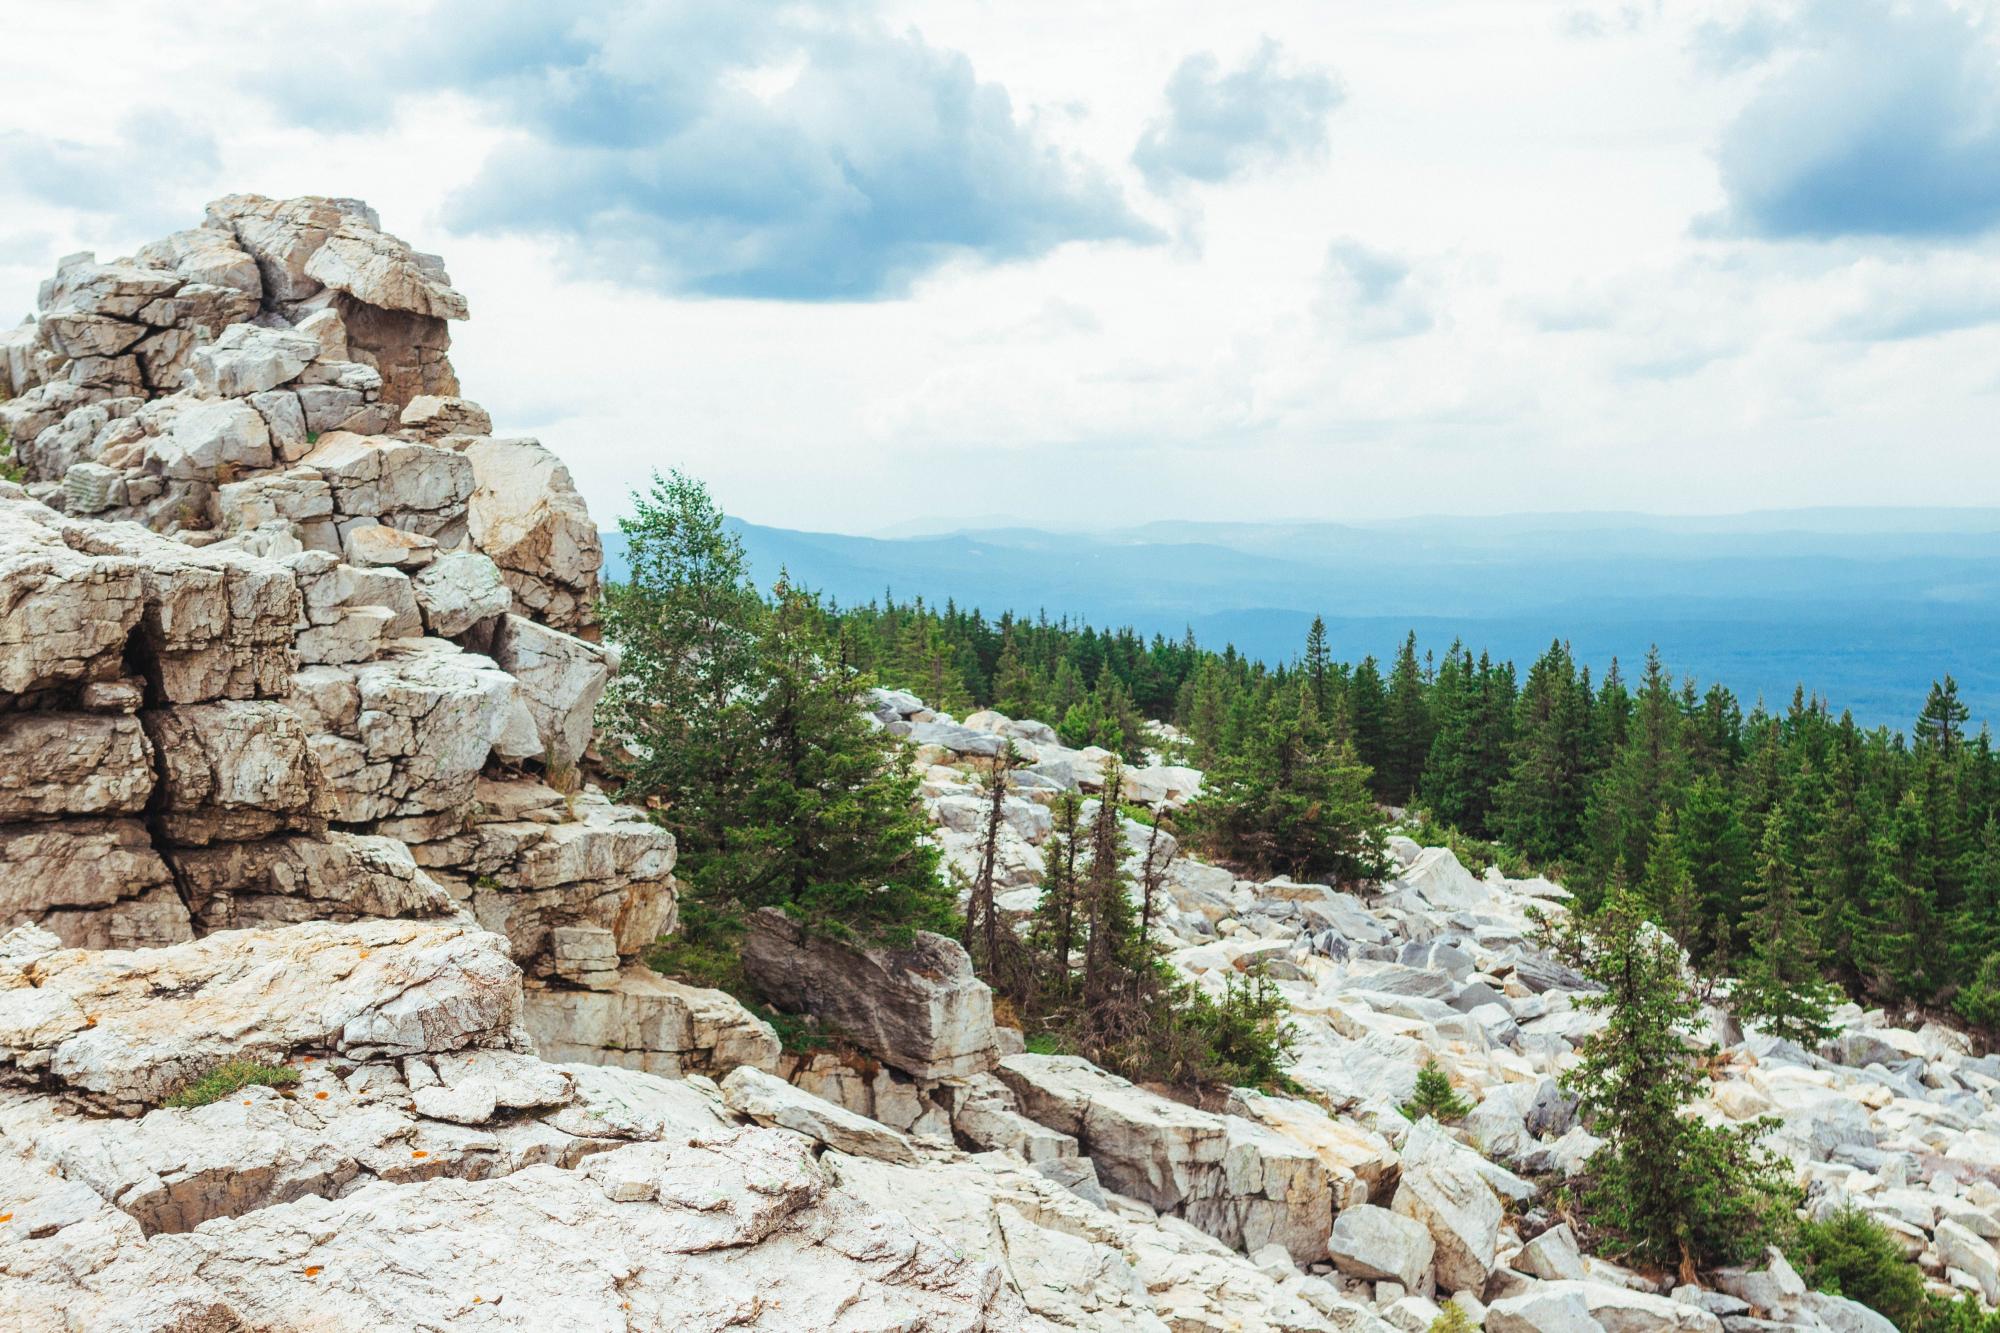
(1367, 717)
(838, 834)
(1942, 722)
(1670, 888)
(1407, 726)
(1781, 988)
(1667, 1188)
(682, 710)
(1318, 666)
(1015, 690)
(1540, 804)
(1434, 1096)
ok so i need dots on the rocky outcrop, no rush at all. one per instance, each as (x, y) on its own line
(285, 633)
(919, 1009)
(423, 1166)
(1232, 1177)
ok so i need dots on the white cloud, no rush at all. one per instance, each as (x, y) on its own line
(1473, 285)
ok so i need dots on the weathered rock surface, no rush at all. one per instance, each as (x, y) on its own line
(919, 1009)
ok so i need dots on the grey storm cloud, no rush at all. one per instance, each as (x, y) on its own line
(784, 152)
(1839, 141)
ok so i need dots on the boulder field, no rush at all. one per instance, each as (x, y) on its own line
(298, 661)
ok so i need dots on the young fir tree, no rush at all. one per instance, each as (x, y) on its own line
(841, 839)
(1434, 1096)
(1015, 689)
(1781, 988)
(1901, 951)
(1290, 798)
(1670, 888)
(1647, 774)
(1407, 727)
(682, 709)
(1367, 715)
(1318, 667)
(1667, 1188)
(1540, 804)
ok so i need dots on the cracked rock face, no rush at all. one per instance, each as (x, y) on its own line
(276, 608)
(421, 1167)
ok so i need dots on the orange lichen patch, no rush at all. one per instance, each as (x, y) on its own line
(312, 1270)
(246, 1101)
(90, 1020)
(306, 1060)
(477, 1299)
(6, 1217)
(319, 1096)
(420, 1153)
(362, 954)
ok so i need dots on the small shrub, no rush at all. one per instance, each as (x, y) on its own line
(1851, 1254)
(1453, 1319)
(1045, 1043)
(1434, 1096)
(231, 1076)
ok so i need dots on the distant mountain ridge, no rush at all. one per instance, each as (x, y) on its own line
(1866, 606)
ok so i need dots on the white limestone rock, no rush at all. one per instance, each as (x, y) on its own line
(122, 1030)
(919, 1009)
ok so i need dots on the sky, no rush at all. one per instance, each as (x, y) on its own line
(864, 264)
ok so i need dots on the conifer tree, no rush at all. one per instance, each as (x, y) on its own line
(1942, 723)
(1407, 725)
(1781, 988)
(1367, 715)
(683, 706)
(839, 836)
(1540, 805)
(1434, 1096)
(1670, 889)
(1015, 690)
(1667, 1188)
(1318, 666)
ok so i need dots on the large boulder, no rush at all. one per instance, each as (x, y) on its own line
(1237, 1179)
(1447, 1193)
(641, 1020)
(1377, 1244)
(526, 514)
(1595, 1307)
(919, 1009)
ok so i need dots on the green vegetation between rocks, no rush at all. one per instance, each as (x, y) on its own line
(228, 1077)
(739, 722)
(1434, 1096)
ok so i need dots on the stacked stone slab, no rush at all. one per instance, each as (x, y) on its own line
(287, 634)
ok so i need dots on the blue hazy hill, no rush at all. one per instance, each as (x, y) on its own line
(1866, 606)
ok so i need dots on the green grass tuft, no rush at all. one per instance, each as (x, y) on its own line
(231, 1076)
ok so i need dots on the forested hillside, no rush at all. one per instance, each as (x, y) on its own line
(1749, 831)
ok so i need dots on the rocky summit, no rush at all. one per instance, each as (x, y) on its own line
(299, 664)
